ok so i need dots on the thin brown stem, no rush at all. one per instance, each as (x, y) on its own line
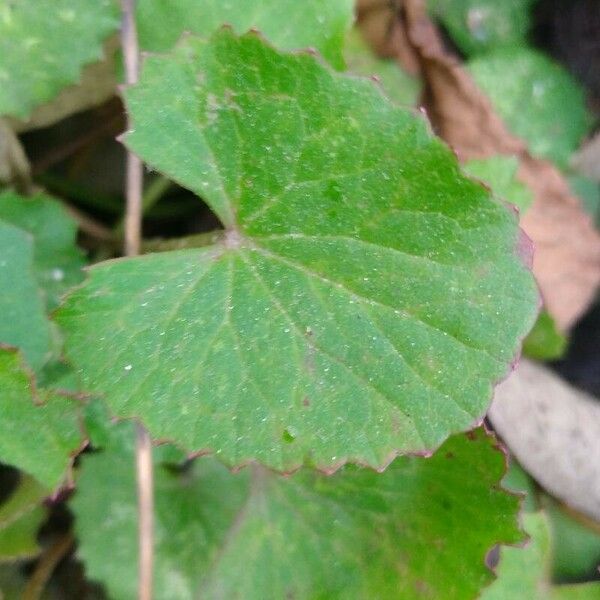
(145, 511)
(133, 227)
(134, 176)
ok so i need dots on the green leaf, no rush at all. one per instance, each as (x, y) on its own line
(44, 44)
(518, 481)
(538, 100)
(575, 548)
(39, 429)
(57, 260)
(579, 591)
(419, 530)
(365, 296)
(398, 85)
(544, 341)
(576, 556)
(288, 24)
(21, 516)
(477, 26)
(500, 174)
(23, 323)
(523, 572)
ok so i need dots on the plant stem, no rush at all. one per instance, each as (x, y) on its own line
(145, 511)
(150, 197)
(134, 175)
(133, 226)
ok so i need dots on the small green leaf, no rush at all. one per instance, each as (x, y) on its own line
(39, 429)
(288, 24)
(43, 46)
(365, 297)
(398, 85)
(21, 516)
(576, 554)
(539, 101)
(523, 573)
(419, 530)
(477, 26)
(500, 174)
(518, 481)
(23, 320)
(57, 260)
(544, 341)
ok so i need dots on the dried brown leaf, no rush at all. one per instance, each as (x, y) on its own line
(379, 22)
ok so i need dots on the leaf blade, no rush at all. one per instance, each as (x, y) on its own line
(327, 311)
(357, 534)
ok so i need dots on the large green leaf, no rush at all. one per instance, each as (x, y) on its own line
(321, 24)
(39, 429)
(419, 530)
(23, 320)
(57, 260)
(365, 296)
(44, 44)
(21, 516)
(537, 98)
(477, 26)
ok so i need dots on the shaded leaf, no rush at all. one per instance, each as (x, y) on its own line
(57, 260)
(538, 100)
(96, 84)
(23, 323)
(21, 515)
(544, 341)
(39, 429)
(320, 24)
(361, 302)
(44, 44)
(576, 554)
(419, 530)
(477, 26)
